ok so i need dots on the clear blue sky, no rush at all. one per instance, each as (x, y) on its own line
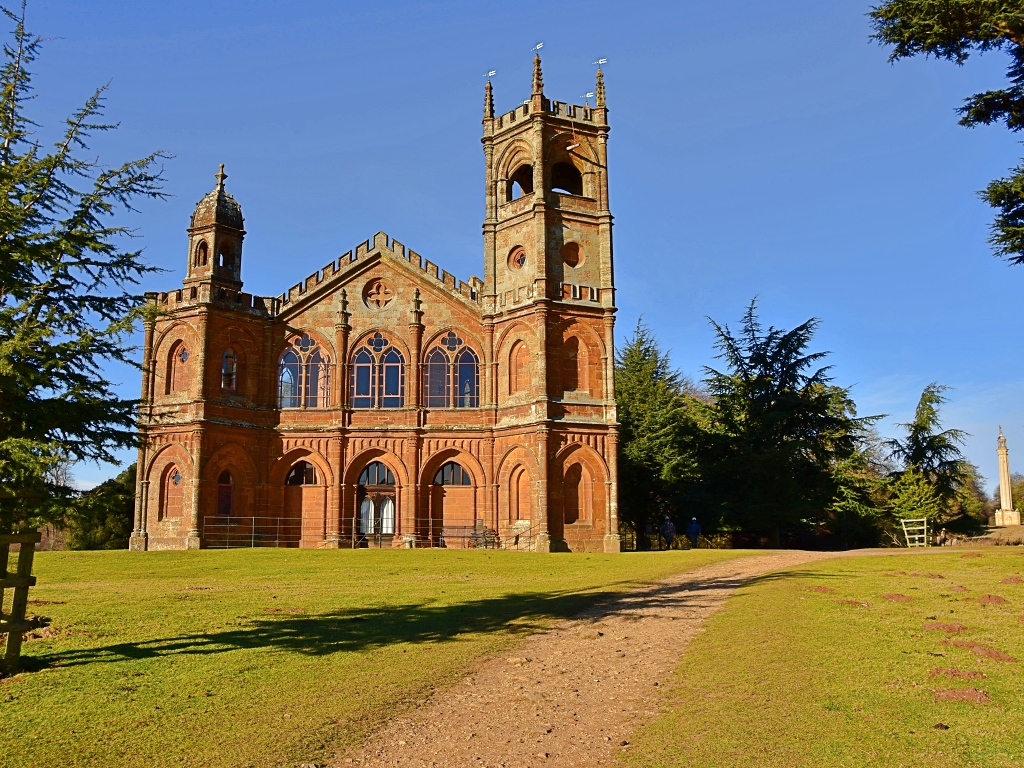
(756, 149)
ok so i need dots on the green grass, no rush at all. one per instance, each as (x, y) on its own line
(789, 677)
(272, 657)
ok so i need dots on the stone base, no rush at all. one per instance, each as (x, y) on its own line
(612, 543)
(192, 542)
(543, 543)
(137, 542)
(332, 543)
(1005, 517)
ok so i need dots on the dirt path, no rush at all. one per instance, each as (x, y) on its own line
(570, 696)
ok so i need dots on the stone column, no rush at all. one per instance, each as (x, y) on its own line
(612, 540)
(1006, 514)
(341, 332)
(414, 378)
(331, 535)
(194, 538)
(544, 534)
(137, 542)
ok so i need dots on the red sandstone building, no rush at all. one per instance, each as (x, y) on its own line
(382, 402)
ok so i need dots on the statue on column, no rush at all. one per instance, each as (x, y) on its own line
(1006, 514)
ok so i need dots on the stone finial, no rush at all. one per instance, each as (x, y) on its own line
(488, 101)
(417, 308)
(220, 178)
(538, 77)
(599, 90)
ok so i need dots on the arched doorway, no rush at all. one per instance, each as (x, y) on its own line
(453, 521)
(305, 505)
(376, 506)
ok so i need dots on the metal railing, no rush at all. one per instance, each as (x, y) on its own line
(231, 532)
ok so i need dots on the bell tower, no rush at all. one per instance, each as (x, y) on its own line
(215, 237)
(548, 228)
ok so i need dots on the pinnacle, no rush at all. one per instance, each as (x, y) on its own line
(220, 178)
(538, 77)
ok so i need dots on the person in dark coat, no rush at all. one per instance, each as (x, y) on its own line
(668, 531)
(693, 532)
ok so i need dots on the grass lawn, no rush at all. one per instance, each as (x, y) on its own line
(272, 657)
(788, 675)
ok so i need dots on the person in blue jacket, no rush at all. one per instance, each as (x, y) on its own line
(693, 532)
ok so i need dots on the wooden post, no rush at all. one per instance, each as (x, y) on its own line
(14, 623)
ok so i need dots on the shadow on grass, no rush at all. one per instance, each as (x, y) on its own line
(350, 630)
(361, 629)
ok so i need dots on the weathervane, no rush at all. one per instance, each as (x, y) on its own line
(599, 62)
(536, 48)
(490, 74)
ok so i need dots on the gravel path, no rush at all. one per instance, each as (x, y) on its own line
(570, 696)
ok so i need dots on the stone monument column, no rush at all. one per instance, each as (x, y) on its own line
(1006, 514)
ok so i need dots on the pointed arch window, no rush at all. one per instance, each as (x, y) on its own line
(518, 368)
(225, 493)
(377, 473)
(304, 375)
(437, 379)
(452, 473)
(229, 371)
(378, 375)
(452, 382)
(467, 379)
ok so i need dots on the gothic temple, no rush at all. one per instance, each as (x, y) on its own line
(381, 402)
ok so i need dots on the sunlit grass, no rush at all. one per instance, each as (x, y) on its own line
(272, 657)
(788, 676)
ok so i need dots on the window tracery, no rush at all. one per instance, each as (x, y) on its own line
(304, 375)
(449, 384)
(378, 375)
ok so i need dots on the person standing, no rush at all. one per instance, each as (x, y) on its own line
(668, 531)
(693, 532)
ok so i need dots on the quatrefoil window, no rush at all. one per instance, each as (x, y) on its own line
(377, 342)
(183, 355)
(176, 477)
(451, 341)
(378, 294)
(305, 343)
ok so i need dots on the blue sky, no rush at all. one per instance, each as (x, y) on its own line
(757, 148)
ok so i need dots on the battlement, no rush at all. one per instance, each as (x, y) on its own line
(575, 112)
(383, 243)
(205, 293)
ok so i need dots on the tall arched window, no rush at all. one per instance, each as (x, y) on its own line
(178, 368)
(202, 254)
(225, 493)
(229, 371)
(304, 375)
(378, 375)
(566, 178)
(518, 368)
(467, 380)
(436, 381)
(452, 386)
(171, 493)
(570, 364)
(452, 473)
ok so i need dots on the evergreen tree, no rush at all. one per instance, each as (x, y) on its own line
(781, 429)
(931, 451)
(65, 305)
(656, 431)
(102, 518)
(953, 30)
(914, 497)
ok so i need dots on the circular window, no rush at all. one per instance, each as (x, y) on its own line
(572, 254)
(378, 294)
(517, 258)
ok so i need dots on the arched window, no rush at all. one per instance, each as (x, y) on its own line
(172, 492)
(288, 380)
(570, 364)
(378, 375)
(392, 379)
(467, 380)
(225, 493)
(520, 183)
(387, 515)
(452, 474)
(304, 375)
(437, 379)
(518, 495)
(573, 494)
(202, 254)
(566, 178)
(229, 371)
(178, 368)
(518, 368)
(376, 473)
(303, 473)
(362, 380)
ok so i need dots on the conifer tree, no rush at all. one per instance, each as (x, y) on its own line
(953, 30)
(66, 305)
